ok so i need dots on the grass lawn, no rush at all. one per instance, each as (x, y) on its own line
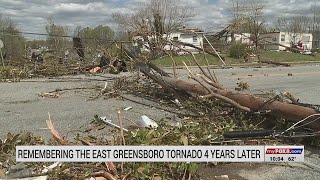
(265, 55)
(288, 57)
(166, 61)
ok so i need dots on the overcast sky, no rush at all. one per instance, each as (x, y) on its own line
(211, 15)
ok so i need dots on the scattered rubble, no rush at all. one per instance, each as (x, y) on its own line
(242, 86)
(276, 63)
(146, 122)
(127, 108)
(50, 95)
(204, 113)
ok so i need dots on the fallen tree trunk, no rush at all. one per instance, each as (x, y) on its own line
(200, 49)
(160, 71)
(295, 50)
(291, 112)
(276, 63)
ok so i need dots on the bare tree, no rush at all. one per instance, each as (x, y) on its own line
(56, 35)
(282, 24)
(294, 24)
(159, 16)
(248, 17)
(14, 42)
(315, 8)
(300, 23)
(77, 30)
(154, 19)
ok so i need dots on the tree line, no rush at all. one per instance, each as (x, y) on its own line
(153, 17)
(58, 40)
(14, 42)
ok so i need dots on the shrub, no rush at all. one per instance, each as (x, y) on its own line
(237, 50)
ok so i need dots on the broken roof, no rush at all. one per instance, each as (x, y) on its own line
(190, 30)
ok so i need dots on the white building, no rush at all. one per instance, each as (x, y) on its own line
(139, 42)
(287, 39)
(190, 36)
(241, 38)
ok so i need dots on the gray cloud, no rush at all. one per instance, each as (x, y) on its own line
(211, 15)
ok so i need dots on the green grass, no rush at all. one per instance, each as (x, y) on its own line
(166, 61)
(288, 57)
(264, 55)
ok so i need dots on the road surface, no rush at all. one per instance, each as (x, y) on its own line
(301, 81)
(22, 109)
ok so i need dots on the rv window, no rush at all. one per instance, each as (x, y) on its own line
(283, 37)
(194, 38)
(175, 38)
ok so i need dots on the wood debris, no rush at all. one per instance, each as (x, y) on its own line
(55, 135)
(245, 102)
(50, 95)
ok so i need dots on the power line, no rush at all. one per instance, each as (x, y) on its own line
(34, 33)
(13, 35)
(7, 33)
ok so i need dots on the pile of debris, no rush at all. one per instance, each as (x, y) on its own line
(108, 65)
(206, 113)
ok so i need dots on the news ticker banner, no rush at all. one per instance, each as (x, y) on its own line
(160, 153)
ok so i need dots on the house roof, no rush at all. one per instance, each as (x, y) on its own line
(274, 32)
(190, 30)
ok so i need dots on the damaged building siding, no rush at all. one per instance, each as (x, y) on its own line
(285, 39)
(185, 37)
(240, 38)
(190, 36)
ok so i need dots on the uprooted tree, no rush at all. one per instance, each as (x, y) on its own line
(207, 86)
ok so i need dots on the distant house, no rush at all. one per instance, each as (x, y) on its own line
(191, 36)
(271, 40)
(140, 43)
(241, 38)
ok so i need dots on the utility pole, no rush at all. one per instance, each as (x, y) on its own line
(25, 51)
(1, 57)
(314, 15)
(121, 49)
(1, 46)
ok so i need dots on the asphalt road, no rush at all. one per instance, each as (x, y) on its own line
(300, 81)
(22, 109)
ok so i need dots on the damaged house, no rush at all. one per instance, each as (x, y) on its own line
(274, 40)
(192, 36)
(240, 38)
